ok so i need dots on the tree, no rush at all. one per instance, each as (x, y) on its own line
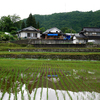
(34, 22)
(14, 18)
(31, 21)
(13, 32)
(38, 26)
(68, 30)
(5, 23)
(42, 29)
(23, 25)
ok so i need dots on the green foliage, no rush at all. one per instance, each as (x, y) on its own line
(5, 24)
(42, 29)
(75, 20)
(9, 45)
(67, 30)
(13, 32)
(23, 25)
(31, 21)
(6, 37)
(13, 28)
(38, 25)
(14, 18)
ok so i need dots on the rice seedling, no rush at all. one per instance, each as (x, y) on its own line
(54, 85)
(64, 84)
(11, 85)
(22, 97)
(42, 82)
(47, 82)
(73, 76)
(5, 80)
(37, 84)
(15, 89)
(60, 86)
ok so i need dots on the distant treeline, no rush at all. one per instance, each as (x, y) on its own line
(75, 20)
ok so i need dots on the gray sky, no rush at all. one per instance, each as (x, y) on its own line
(24, 7)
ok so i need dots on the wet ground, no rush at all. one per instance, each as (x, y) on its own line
(49, 83)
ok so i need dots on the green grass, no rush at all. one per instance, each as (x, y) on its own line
(50, 53)
(7, 46)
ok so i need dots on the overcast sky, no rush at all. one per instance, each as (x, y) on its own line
(24, 7)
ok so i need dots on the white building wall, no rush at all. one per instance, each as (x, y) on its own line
(23, 34)
(38, 35)
(32, 35)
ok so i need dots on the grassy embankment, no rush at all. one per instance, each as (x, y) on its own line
(5, 53)
(7, 46)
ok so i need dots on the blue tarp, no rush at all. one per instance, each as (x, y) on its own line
(67, 37)
(53, 75)
(52, 34)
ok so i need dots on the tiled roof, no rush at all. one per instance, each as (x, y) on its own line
(91, 29)
(29, 29)
(53, 30)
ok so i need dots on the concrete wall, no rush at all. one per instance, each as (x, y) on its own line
(43, 41)
(59, 45)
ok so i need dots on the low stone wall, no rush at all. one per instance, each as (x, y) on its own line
(53, 56)
(42, 41)
(60, 45)
(54, 50)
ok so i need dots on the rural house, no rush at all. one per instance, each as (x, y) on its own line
(89, 34)
(53, 33)
(29, 32)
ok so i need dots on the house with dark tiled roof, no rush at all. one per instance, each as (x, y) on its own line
(89, 34)
(29, 32)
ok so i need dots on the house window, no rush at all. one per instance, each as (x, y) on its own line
(36, 35)
(28, 35)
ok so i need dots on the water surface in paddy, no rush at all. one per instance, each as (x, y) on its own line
(52, 95)
(54, 85)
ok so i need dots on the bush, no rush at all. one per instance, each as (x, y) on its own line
(13, 32)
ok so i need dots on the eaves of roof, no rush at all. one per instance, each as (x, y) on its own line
(91, 29)
(29, 31)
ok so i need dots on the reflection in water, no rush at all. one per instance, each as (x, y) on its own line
(52, 95)
(62, 85)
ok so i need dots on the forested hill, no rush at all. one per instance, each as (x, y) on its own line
(75, 20)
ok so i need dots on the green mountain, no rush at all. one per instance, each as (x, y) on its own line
(75, 20)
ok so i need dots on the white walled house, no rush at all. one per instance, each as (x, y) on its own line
(89, 34)
(29, 32)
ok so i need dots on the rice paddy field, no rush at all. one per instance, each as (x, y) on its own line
(28, 79)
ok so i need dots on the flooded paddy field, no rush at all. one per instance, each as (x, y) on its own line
(22, 79)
